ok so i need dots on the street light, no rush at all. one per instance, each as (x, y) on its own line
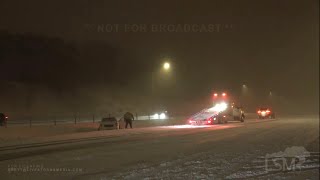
(165, 70)
(244, 95)
(244, 88)
(166, 66)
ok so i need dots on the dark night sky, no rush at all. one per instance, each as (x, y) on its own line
(272, 44)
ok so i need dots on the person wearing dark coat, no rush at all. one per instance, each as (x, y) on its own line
(128, 118)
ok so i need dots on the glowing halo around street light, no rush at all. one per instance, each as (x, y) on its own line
(166, 66)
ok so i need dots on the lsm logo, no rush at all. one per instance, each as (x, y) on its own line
(292, 159)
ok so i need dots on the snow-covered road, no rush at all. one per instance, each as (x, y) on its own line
(254, 149)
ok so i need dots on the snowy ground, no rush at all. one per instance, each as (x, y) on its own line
(254, 149)
(23, 132)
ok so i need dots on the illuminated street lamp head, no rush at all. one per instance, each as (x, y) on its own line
(166, 66)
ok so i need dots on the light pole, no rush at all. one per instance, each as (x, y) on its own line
(244, 94)
(244, 88)
(271, 99)
(165, 67)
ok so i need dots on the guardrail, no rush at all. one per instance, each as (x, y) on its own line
(55, 120)
(49, 120)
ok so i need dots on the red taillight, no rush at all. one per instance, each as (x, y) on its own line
(6, 117)
(190, 121)
(224, 94)
(259, 112)
(268, 111)
(224, 116)
(209, 121)
(215, 95)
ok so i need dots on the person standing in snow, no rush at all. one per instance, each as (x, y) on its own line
(128, 118)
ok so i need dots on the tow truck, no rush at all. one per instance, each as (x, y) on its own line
(221, 112)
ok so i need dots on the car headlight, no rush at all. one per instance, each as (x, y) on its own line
(162, 116)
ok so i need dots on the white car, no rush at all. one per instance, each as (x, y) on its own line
(109, 124)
